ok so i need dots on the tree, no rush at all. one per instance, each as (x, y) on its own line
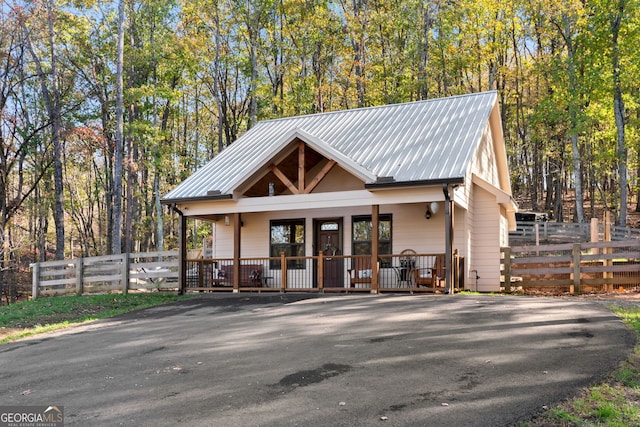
(51, 97)
(615, 22)
(118, 154)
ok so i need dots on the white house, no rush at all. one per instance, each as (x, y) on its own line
(293, 201)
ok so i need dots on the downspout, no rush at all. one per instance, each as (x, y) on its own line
(182, 251)
(448, 238)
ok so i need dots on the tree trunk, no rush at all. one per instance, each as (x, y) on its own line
(618, 109)
(54, 113)
(573, 123)
(116, 239)
(423, 74)
(52, 104)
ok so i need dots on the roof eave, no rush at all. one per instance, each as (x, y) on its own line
(381, 185)
(196, 199)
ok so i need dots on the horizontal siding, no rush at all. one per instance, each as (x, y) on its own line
(485, 165)
(337, 179)
(411, 230)
(486, 241)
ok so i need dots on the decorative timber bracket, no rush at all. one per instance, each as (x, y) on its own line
(302, 187)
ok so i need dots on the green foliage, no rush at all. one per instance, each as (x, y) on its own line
(47, 314)
(194, 70)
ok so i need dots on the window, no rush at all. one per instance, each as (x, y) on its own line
(287, 236)
(362, 236)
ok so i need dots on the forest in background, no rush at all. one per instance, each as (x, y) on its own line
(106, 106)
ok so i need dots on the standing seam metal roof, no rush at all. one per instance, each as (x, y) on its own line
(416, 141)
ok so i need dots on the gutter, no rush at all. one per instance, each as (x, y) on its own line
(387, 182)
(196, 199)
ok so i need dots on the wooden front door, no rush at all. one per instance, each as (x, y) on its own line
(328, 239)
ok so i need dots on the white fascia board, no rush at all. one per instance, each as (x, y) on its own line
(312, 201)
(267, 157)
(460, 199)
(318, 145)
(330, 153)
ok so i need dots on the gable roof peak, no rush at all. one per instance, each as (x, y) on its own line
(420, 141)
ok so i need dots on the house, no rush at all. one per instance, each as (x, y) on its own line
(293, 202)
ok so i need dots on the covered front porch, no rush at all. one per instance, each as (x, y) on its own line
(405, 272)
(315, 250)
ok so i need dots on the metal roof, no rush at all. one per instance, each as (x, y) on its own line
(413, 142)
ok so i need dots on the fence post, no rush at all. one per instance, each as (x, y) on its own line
(607, 251)
(576, 268)
(125, 273)
(507, 269)
(79, 266)
(35, 279)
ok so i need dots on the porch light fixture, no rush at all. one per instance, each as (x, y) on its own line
(226, 220)
(432, 209)
(272, 189)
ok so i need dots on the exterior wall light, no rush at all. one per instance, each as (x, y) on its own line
(432, 209)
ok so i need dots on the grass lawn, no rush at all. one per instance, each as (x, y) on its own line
(49, 314)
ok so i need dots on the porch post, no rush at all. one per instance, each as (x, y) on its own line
(236, 251)
(448, 239)
(375, 239)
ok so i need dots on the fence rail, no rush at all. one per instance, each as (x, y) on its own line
(122, 272)
(531, 233)
(577, 267)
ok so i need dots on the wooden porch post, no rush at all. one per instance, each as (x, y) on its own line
(321, 271)
(236, 251)
(375, 240)
(448, 239)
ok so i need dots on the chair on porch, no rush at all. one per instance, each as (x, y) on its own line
(430, 277)
(360, 272)
(405, 271)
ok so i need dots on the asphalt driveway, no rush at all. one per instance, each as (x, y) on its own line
(291, 360)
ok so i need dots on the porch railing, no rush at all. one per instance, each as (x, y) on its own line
(339, 273)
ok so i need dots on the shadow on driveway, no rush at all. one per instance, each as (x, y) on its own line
(319, 360)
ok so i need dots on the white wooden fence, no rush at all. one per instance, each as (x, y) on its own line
(122, 272)
(531, 233)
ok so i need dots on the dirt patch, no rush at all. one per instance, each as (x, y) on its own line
(624, 299)
(5, 332)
